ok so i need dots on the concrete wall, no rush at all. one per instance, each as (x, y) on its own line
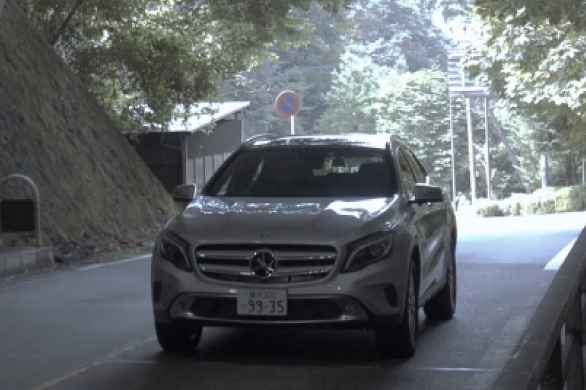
(18, 261)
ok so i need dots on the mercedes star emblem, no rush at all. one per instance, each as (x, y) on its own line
(263, 263)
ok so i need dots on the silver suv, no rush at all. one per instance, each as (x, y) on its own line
(333, 230)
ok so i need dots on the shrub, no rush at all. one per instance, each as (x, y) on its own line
(544, 201)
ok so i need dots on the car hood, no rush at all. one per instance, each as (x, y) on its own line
(214, 219)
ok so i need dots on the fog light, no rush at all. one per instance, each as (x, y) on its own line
(350, 309)
(182, 307)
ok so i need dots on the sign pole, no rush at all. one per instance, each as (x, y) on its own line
(292, 124)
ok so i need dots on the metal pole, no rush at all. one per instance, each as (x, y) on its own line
(292, 124)
(487, 150)
(543, 168)
(452, 153)
(471, 153)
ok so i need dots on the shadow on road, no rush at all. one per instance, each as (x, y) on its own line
(284, 347)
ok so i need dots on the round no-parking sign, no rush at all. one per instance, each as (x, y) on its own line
(288, 103)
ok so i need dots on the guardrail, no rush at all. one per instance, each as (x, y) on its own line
(551, 354)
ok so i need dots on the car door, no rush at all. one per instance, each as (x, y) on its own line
(434, 219)
(420, 221)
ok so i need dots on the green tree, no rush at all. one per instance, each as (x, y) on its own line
(382, 84)
(142, 59)
(450, 9)
(306, 69)
(536, 65)
(415, 107)
(352, 100)
(524, 12)
(522, 135)
(385, 36)
(397, 34)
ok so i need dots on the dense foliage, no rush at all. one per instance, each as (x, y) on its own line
(392, 79)
(524, 12)
(306, 70)
(532, 54)
(358, 65)
(544, 201)
(142, 59)
(398, 34)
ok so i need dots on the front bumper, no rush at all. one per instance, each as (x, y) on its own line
(221, 310)
(356, 299)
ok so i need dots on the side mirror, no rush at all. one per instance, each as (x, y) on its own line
(427, 193)
(184, 193)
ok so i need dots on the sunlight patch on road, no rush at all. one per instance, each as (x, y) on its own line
(555, 263)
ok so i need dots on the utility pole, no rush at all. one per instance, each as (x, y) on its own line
(452, 153)
(487, 151)
(471, 159)
(460, 86)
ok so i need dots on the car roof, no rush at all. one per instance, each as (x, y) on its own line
(379, 141)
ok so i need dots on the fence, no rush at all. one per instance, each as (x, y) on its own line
(550, 355)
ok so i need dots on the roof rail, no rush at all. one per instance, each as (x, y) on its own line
(260, 136)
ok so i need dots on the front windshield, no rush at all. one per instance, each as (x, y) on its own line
(315, 171)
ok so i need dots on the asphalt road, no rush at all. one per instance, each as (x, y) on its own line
(90, 328)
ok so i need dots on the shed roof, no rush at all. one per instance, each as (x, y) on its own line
(196, 120)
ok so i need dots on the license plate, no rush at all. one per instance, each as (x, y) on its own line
(261, 302)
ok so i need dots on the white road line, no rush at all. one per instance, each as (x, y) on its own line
(92, 364)
(130, 361)
(100, 265)
(555, 263)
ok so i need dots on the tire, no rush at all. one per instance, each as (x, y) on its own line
(442, 305)
(178, 337)
(400, 341)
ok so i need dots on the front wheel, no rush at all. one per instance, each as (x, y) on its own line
(178, 337)
(400, 341)
(443, 304)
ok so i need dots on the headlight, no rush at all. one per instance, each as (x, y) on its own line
(174, 249)
(368, 250)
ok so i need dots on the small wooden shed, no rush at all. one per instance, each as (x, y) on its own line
(187, 151)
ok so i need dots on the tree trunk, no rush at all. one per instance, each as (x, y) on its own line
(65, 23)
(570, 170)
(512, 156)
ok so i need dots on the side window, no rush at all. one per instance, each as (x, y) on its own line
(407, 177)
(236, 177)
(420, 173)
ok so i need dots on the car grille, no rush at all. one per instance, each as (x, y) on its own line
(289, 263)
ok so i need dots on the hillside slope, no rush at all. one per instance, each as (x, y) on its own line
(95, 190)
